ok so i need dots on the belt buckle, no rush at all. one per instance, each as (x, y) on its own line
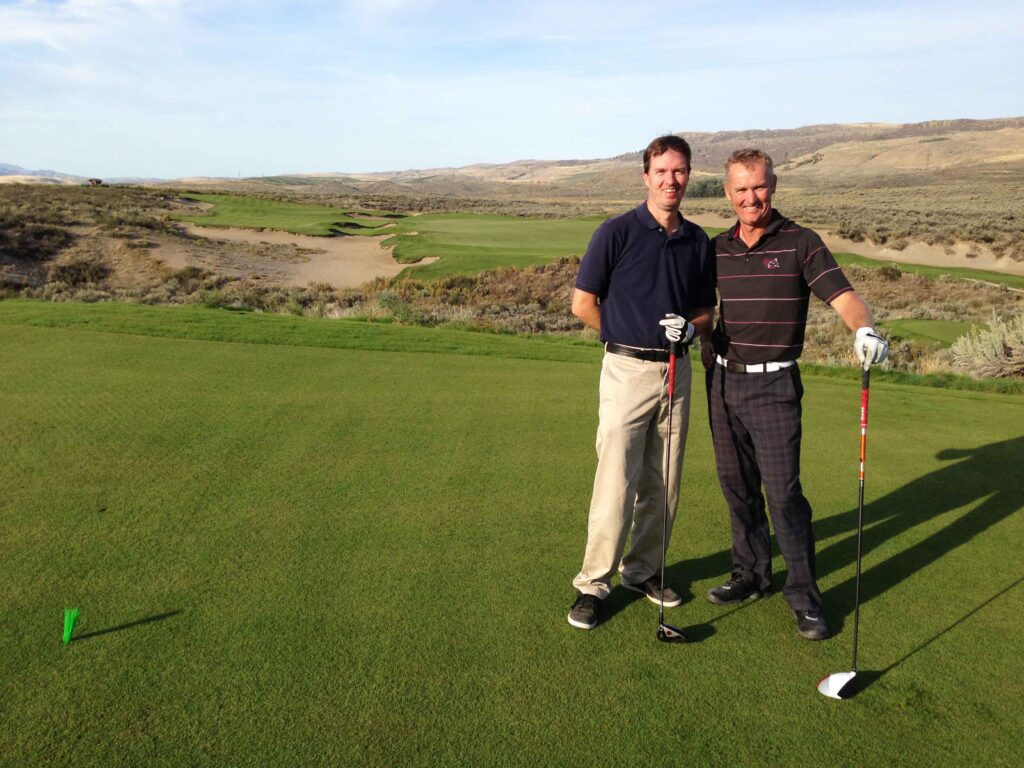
(735, 367)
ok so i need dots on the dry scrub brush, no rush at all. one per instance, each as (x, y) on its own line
(995, 352)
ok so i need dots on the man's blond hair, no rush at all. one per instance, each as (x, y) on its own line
(750, 157)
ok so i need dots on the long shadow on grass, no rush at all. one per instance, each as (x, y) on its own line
(866, 678)
(127, 625)
(986, 478)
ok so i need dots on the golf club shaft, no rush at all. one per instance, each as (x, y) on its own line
(668, 474)
(865, 384)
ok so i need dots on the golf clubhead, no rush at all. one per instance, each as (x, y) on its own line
(669, 634)
(837, 685)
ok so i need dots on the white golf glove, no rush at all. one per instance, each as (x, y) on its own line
(870, 347)
(677, 329)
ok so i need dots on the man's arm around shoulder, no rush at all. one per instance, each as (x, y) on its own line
(703, 322)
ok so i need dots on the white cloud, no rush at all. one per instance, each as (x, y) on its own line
(374, 84)
(72, 24)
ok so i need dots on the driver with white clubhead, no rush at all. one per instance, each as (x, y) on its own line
(870, 348)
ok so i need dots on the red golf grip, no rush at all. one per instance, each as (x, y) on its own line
(673, 351)
(865, 384)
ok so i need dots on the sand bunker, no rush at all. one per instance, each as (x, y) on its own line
(282, 258)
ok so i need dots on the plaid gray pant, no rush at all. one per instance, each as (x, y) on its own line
(755, 426)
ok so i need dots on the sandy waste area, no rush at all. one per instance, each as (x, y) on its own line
(286, 259)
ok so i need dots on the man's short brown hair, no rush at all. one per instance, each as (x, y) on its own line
(749, 157)
(663, 144)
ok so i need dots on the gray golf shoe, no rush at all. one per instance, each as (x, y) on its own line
(585, 611)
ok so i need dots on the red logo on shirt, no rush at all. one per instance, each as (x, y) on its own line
(770, 262)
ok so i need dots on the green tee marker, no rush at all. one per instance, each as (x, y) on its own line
(70, 617)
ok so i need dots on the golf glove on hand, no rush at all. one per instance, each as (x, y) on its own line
(677, 329)
(870, 347)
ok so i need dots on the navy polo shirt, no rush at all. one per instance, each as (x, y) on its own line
(640, 274)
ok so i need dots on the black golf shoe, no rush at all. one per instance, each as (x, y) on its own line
(735, 590)
(652, 589)
(584, 612)
(811, 624)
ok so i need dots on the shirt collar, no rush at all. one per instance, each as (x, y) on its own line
(647, 219)
(774, 225)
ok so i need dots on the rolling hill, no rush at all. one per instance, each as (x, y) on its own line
(947, 183)
(815, 151)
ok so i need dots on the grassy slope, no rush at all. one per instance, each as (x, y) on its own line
(290, 553)
(944, 332)
(470, 243)
(199, 324)
(300, 218)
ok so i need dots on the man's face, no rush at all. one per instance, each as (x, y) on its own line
(666, 179)
(750, 188)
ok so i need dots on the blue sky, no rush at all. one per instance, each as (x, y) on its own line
(170, 88)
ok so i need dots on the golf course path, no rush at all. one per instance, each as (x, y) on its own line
(343, 262)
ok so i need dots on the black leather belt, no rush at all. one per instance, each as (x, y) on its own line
(638, 353)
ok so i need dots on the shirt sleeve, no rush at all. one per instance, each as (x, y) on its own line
(823, 275)
(598, 261)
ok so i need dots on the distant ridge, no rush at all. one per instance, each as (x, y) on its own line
(17, 170)
(851, 149)
(21, 175)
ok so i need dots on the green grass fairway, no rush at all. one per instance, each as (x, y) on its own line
(945, 332)
(302, 219)
(468, 243)
(463, 243)
(335, 543)
(964, 273)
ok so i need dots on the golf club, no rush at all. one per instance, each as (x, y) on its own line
(666, 632)
(838, 684)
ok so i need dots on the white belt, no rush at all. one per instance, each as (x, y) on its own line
(755, 368)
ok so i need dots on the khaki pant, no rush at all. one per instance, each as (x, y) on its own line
(629, 491)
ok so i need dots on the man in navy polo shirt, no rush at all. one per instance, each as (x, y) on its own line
(647, 275)
(767, 268)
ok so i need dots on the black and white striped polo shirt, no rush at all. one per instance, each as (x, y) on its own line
(764, 291)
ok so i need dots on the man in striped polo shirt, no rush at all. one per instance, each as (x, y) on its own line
(768, 267)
